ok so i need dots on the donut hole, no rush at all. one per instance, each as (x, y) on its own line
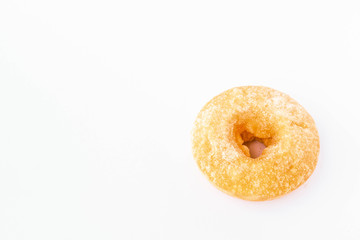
(255, 148)
(251, 145)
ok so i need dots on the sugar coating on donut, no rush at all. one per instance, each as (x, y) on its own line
(226, 137)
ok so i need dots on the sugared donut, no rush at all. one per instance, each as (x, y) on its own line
(255, 143)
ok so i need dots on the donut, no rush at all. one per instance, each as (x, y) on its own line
(255, 143)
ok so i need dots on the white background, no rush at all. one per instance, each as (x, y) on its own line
(98, 98)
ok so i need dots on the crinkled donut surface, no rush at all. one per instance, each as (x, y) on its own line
(254, 113)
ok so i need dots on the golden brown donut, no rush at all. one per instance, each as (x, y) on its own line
(232, 121)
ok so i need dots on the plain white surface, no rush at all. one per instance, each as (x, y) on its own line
(97, 101)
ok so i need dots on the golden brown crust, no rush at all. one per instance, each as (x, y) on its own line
(253, 112)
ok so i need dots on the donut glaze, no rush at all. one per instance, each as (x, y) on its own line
(229, 123)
